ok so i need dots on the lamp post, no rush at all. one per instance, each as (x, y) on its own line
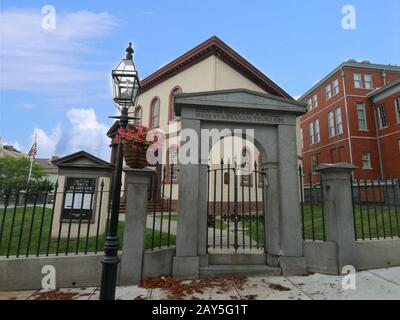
(126, 84)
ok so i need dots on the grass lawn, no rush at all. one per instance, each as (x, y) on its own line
(5, 229)
(255, 230)
(373, 221)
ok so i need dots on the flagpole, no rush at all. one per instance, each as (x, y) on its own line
(32, 158)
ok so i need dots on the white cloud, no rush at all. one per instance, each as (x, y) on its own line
(46, 143)
(85, 133)
(33, 57)
(25, 105)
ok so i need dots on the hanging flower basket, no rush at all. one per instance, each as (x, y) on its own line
(135, 158)
(135, 144)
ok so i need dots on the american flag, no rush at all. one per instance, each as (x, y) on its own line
(33, 151)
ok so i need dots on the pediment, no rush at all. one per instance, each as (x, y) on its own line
(82, 159)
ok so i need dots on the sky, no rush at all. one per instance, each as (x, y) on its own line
(55, 73)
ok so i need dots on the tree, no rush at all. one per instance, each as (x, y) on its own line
(14, 173)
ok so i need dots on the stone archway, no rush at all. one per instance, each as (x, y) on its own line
(274, 122)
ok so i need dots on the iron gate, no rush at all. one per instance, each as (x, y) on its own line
(235, 210)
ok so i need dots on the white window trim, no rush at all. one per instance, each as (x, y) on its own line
(333, 87)
(372, 82)
(330, 91)
(365, 117)
(397, 108)
(314, 101)
(331, 116)
(369, 161)
(361, 81)
(381, 127)
(337, 123)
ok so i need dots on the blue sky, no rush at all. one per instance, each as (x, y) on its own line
(56, 83)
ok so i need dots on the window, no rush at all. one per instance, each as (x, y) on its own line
(368, 81)
(382, 117)
(366, 161)
(173, 162)
(397, 108)
(331, 124)
(315, 135)
(312, 141)
(245, 165)
(138, 114)
(335, 87)
(362, 119)
(309, 104)
(317, 132)
(313, 163)
(301, 138)
(171, 115)
(155, 113)
(328, 91)
(339, 124)
(357, 80)
(315, 101)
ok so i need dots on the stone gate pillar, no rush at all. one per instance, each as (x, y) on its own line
(338, 210)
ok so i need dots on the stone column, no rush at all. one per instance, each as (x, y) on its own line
(186, 263)
(339, 222)
(138, 182)
(292, 260)
(271, 205)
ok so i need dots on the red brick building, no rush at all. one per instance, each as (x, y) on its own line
(354, 116)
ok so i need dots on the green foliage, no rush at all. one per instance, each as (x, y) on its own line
(15, 171)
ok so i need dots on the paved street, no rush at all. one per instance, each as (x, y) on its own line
(372, 284)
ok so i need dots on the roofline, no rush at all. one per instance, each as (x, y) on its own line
(384, 88)
(212, 46)
(359, 65)
(59, 161)
(240, 90)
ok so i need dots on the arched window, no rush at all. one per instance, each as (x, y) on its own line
(245, 166)
(138, 114)
(173, 163)
(171, 113)
(155, 113)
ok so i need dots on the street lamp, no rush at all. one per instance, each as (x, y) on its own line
(126, 84)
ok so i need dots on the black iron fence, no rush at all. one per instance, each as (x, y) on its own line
(163, 208)
(44, 220)
(312, 206)
(376, 208)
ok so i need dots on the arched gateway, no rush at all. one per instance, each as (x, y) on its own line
(273, 120)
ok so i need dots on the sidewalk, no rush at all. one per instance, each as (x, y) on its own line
(373, 284)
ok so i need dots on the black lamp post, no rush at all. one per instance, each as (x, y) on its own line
(126, 84)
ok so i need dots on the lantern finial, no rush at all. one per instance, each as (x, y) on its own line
(129, 52)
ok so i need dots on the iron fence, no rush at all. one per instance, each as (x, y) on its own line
(312, 206)
(40, 221)
(235, 210)
(376, 208)
(163, 208)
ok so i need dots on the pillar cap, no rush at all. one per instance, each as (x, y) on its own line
(335, 167)
(145, 170)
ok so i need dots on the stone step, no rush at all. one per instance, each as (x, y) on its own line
(237, 259)
(245, 270)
